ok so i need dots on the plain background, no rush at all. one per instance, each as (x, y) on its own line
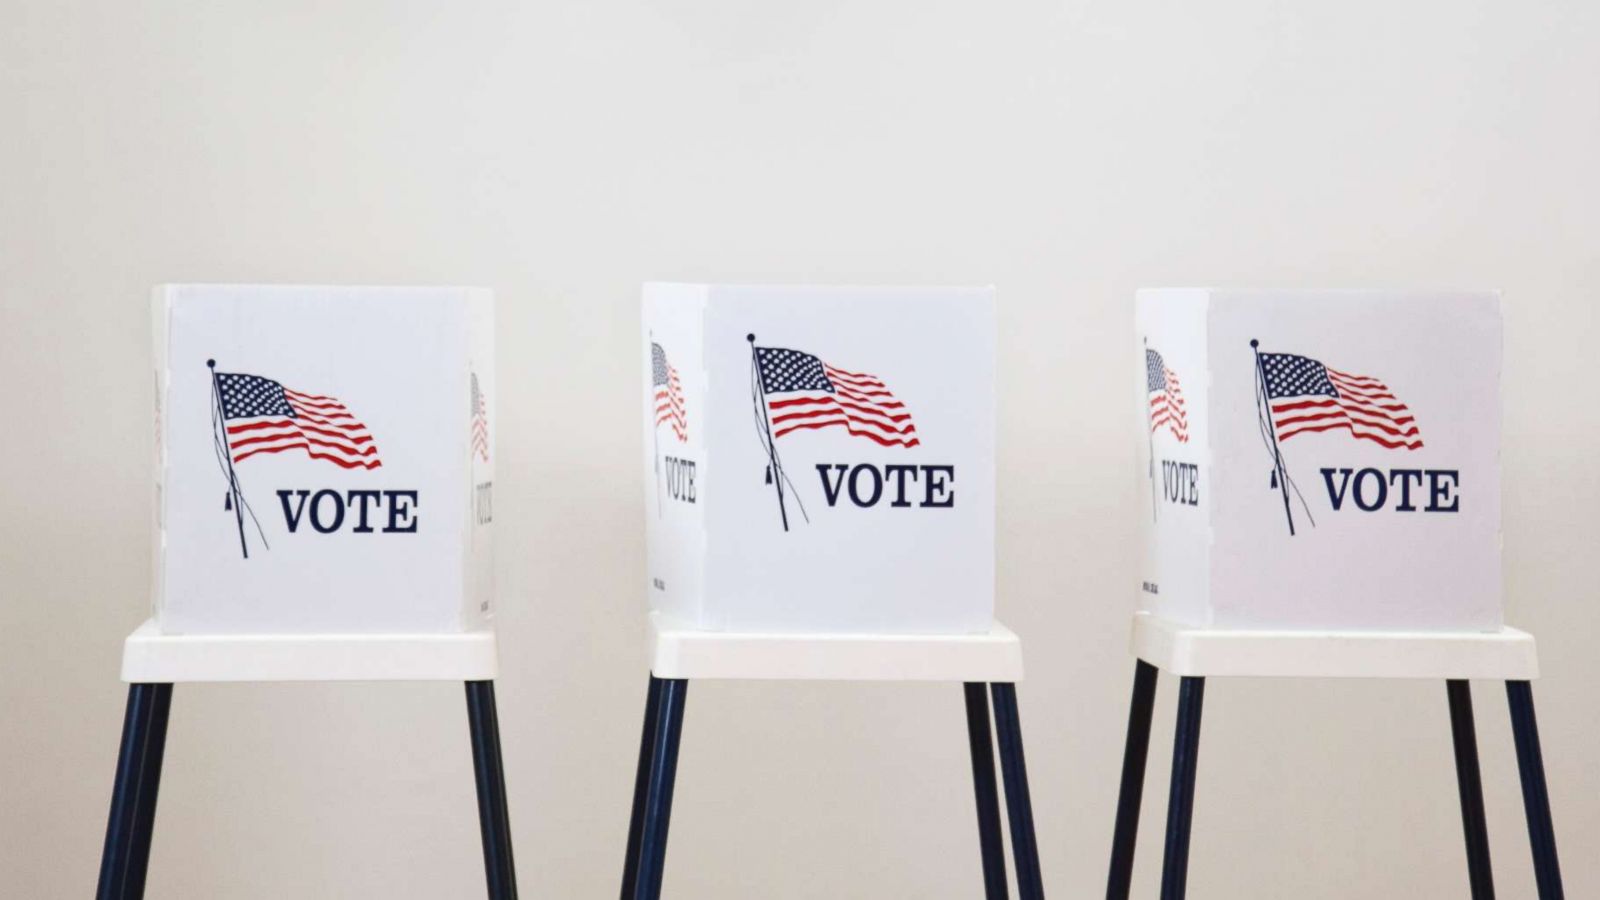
(563, 152)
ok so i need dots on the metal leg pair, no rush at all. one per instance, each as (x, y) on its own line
(658, 766)
(1019, 806)
(1535, 797)
(1186, 744)
(126, 857)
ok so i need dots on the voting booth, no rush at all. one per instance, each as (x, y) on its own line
(820, 458)
(323, 509)
(1320, 498)
(820, 484)
(1320, 459)
(322, 459)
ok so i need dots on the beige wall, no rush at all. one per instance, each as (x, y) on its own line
(563, 152)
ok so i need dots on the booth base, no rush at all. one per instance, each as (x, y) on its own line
(1505, 655)
(148, 656)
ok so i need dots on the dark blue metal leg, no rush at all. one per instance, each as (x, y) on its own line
(1535, 795)
(641, 790)
(990, 841)
(149, 788)
(1125, 834)
(1464, 734)
(126, 856)
(494, 817)
(1180, 803)
(1019, 808)
(663, 774)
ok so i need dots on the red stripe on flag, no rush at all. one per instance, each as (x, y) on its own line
(1360, 409)
(322, 426)
(860, 403)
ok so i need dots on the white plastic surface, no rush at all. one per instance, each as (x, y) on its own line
(678, 651)
(150, 656)
(1507, 654)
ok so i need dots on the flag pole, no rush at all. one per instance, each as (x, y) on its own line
(233, 482)
(758, 385)
(1150, 432)
(1278, 472)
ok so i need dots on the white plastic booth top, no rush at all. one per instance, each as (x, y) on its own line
(148, 656)
(679, 652)
(1506, 655)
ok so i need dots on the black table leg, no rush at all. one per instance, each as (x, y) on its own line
(126, 856)
(149, 788)
(663, 774)
(990, 841)
(1464, 734)
(1019, 807)
(494, 818)
(1180, 803)
(1125, 834)
(641, 790)
(1535, 795)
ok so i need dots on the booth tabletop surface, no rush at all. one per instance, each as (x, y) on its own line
(681, 652)
(1507, 654)
(149, 656)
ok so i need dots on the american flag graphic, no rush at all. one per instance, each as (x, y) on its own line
(803, 392)
(480, 422)
(262, 416)
(669, 393)
(1166, 397)
(1306, 395)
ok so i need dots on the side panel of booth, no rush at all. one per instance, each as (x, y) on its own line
(676, 454)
